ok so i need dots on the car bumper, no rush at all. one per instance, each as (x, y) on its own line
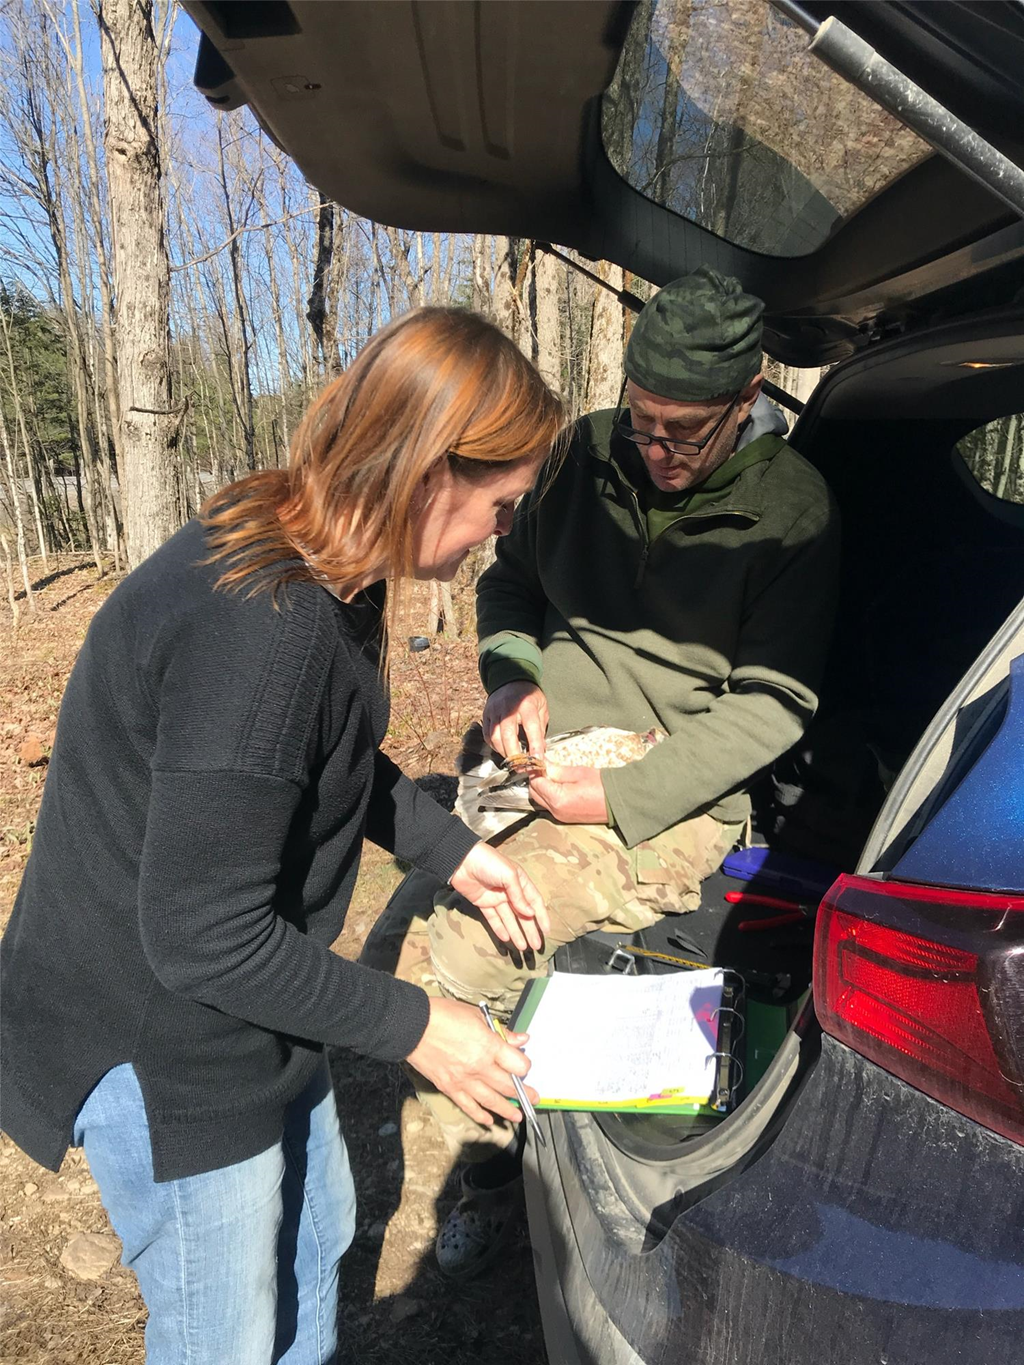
(879, 1226)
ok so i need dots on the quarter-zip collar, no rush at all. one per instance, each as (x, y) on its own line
(623, 474)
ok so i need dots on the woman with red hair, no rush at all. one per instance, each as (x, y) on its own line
(169, 987)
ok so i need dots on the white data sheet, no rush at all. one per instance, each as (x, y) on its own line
(617, 1039)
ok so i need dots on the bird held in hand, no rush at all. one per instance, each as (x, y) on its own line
(494, 792)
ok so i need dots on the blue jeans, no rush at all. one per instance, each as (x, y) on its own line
(238, 1266)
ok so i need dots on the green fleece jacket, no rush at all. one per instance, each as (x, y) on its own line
(715, 630)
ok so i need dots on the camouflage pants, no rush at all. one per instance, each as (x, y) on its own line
(589, 880)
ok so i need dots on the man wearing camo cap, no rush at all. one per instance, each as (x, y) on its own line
(679, 573)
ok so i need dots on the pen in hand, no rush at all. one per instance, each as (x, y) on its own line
(529, 1112)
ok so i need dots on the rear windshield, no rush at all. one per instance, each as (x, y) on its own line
(718, 112)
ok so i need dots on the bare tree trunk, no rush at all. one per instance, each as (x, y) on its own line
(503, 298)
(524, 297)
(441, 617)
(481, 278)
(433, 608)
(411, 281)
(317, 308)
(32, 479)
(440, 281)
(19, 417)
(665, 159)
(80, 169)
(103, 269)
(86, 474)
(546, 280)
(380, 283)
(451, 620)
(141, 273)
(283, 377)
(91, 373)
(19, 522)
(349, 293)
(12, 598)
(61, 504)
(218, 324)
(1009, 464)
(605, 372)
(295, 257)
(244, 402)
(335, 283)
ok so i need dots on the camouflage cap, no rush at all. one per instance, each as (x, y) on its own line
(699, 337)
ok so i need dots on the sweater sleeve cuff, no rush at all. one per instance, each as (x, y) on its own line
(510, 660)
(635, 819)
(611, 820)
(403, 1023)
(450, 851)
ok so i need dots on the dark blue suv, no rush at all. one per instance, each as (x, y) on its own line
(863, 1202)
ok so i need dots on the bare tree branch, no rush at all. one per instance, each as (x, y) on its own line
(251, 227)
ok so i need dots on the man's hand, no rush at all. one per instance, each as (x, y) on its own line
(469, 1063)
(504, 895)
(517, 705)
(574, 796)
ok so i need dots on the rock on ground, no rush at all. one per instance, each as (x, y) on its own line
(90, 1255)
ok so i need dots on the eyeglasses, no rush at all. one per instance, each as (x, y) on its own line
(644, 438)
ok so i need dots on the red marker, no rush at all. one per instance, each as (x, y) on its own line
(772, 922)
(769, 902)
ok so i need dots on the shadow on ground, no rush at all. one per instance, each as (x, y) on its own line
(395, 1304)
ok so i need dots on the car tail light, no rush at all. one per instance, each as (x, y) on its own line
(929, 984)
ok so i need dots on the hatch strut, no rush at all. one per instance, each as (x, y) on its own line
(858, 62)
(624, 296)
(636, 304)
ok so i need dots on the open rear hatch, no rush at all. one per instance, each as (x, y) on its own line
(658, 136)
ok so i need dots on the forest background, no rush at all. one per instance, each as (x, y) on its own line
(266, 289)
(173, 294)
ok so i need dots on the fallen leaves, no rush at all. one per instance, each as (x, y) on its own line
(34, 668)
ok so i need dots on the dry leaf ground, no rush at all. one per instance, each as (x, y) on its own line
(394, 1303)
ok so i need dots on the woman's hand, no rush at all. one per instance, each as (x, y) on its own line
(504, 895)
(517, 705)
(574, 796)
(469, 1063)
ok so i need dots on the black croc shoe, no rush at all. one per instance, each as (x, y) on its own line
(479, 1227)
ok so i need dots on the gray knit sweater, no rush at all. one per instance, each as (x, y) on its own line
(215, 770)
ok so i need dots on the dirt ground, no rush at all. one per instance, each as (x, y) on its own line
(394, 1302)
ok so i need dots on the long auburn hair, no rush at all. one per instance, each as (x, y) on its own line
(435, 384)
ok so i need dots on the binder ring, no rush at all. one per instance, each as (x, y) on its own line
(740, 1024)
(737, 1069)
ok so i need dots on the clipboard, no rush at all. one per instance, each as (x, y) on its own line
(567, 1045)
